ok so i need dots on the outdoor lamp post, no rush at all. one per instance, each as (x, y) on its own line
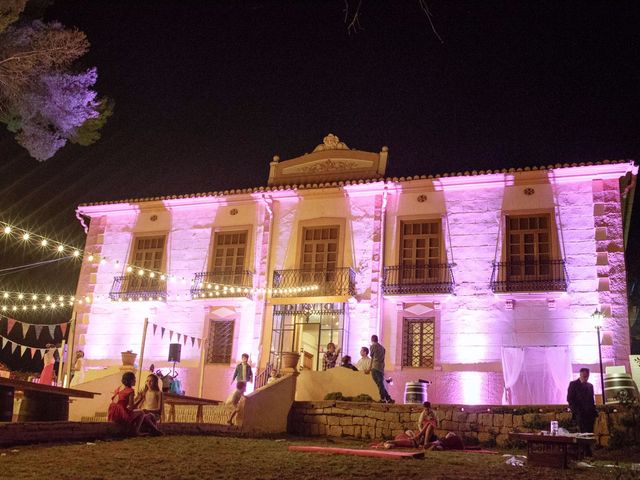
(598, 321)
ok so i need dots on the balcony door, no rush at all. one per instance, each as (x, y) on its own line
(319, 253)
(228, 259)
(529, 247)
(420, 251)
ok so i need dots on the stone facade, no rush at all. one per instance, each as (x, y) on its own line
(486, 425)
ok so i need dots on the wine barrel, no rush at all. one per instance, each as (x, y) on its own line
(618, 385)
(415, 392)
(6, 404)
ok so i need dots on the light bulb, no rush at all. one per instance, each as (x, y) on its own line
(7, 230)
(60, 248)
(44, 242)
(25, 236)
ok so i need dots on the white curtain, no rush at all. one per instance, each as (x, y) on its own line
(512, 360)
(542, 375)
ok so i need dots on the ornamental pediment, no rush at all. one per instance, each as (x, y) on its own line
(330, 161)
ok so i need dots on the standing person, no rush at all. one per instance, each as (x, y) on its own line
(237, 400)
(330, 357)
(46, 376)
(377, 369)
(364, 363)
(581, 402)
(77, 373)
(243, 371)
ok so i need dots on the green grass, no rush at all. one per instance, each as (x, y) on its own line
(175, 457)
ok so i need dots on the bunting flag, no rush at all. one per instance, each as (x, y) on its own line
(52, 330)
(162, 330)
(42, 351)
(193, 341)
(4, 342)
(10, 324)
(32, 351)
(38, 329)
(184, 340)
(155, 327)
(63, 328)
(14, 345)
(199, 343)
(23, 349)
(25, 329)
(170, 335)
(179, 335)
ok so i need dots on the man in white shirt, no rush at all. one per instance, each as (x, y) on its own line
(364, 364)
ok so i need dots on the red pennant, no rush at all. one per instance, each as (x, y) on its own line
(10, 324)
(63, 328)
(32, 351)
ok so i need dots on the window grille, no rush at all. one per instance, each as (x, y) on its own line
(220, 341)
(419, 340)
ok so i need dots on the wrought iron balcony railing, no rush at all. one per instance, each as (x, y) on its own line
(296, 283)
(409, 279)
(529, 276)
(220, 283)
(136, 287)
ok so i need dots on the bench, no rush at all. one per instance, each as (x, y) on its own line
(171, 399)
(553, 450)
(40, 403)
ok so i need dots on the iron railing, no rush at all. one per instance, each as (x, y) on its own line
(407, 279)
(529, 276)
(262, 377)
(221, 283)
(135, 287)
(307, 283)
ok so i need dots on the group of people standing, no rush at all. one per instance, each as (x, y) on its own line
(371, 362)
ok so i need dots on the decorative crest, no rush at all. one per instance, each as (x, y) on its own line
(331, 142)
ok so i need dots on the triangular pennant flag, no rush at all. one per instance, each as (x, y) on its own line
(63, 328)
(52, 330)
(199, 343)
(179, 335)
(184, 340)
(32, 352)
(4, 342)
(14, 345)
(193, 341)
(38, 331)
(25, 329)
(162, 332)
(170, 335)
(155, 327)
(22, 350)
(42, 351)
(10, 324)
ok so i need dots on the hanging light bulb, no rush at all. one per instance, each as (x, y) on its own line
(44, 242)
(60, 248)
(25, 236)
(7, 230)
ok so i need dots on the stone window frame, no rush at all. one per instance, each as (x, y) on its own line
(229, 341)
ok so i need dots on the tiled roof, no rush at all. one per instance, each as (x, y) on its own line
(353, 182)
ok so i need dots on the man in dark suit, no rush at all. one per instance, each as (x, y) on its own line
(581, 402)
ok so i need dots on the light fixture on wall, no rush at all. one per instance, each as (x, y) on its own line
(598, 321)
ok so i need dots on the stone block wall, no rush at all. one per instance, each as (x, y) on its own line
(486, 425)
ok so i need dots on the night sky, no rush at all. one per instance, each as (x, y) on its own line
(207, 92)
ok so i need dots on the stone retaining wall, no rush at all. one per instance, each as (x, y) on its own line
(487, 425)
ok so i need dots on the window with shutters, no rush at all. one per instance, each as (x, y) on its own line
(228, 262)
(220, 341)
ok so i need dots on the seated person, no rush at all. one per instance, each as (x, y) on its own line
(236, 399)
(346, 363)
(273, 376)
(150, 399)
(427, 424)
(450, 442)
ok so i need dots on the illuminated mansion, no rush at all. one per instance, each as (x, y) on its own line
(483, 283)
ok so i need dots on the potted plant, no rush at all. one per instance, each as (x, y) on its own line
(128, 358)
(289, 360)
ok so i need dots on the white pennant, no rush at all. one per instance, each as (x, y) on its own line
(52, 330)
(4, 342)
(13, 346)
(42, 350)
(25, 329)
(22, 350)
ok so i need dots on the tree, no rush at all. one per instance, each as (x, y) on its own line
(42, 99)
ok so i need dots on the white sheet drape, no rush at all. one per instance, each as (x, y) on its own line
(536, 375)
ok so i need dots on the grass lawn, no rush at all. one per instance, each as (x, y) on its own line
(201, 457)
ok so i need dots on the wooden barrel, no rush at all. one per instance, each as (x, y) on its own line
(415, 392)
(617, 385)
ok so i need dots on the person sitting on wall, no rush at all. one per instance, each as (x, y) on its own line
(123, 412)
(330, 357)
(243, 371)
(273, 376)
(427, 424)
(150, 399)
(237, 400)
(364, 363)
(346, 363)
(451, 441)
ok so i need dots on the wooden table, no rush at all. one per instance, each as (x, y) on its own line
(553, 450)
(172, 400)
(41, 403)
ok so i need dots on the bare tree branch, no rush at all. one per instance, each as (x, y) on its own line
(427, 12)
(353, 26)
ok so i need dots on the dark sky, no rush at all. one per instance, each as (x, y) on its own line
(207, 92)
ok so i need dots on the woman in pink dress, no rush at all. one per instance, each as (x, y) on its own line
(46, 376)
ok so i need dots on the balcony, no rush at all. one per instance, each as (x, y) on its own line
(327, 283)
(529, 276)
(413, 279)
(136, 287)
(221, 284)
